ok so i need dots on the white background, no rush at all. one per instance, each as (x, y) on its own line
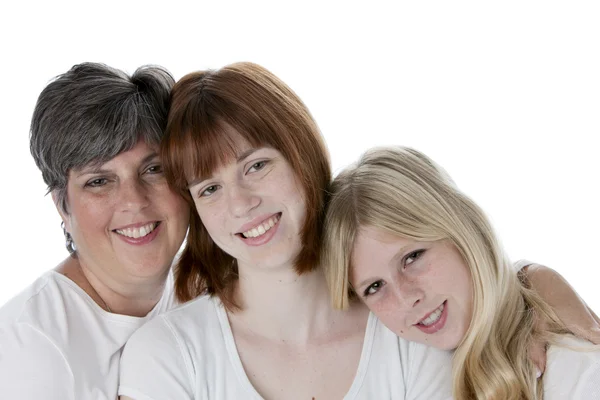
(504, 94)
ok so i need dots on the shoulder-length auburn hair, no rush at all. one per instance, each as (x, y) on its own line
(403, 192)
(265, 112)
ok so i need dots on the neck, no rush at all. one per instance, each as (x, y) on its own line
(282, 305)
(113, 295)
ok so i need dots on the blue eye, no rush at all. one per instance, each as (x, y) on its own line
(257, 166)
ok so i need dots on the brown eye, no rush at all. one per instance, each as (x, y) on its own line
(97, 182)
(155, 169)
(373, 288)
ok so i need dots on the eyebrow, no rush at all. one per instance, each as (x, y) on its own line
(97, 169)
(241, 157)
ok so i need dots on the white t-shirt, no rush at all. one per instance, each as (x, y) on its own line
(572, 374)
(190, 353)
(57, 343)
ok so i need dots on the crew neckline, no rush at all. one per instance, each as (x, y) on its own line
(157, 309)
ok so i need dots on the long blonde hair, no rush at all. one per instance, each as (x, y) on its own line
(402, 192)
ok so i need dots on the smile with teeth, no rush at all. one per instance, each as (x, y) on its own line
(433, 317)
(139, 231)
(261, 228)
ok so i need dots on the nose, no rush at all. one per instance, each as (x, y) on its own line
(408, 293)
(134, 196)
(242, 200)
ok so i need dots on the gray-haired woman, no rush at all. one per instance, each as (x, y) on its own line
(94, 135)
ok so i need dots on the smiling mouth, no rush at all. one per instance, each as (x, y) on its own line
(261, 228)
(433, 317)
(138, 232)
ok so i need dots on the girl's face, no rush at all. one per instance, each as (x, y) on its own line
(422, 291)
(252, 207)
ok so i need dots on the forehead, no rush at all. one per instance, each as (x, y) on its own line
(226, 147)
(139, 153)
(374, 248)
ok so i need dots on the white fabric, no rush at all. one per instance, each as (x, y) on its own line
(190, 353)
(57, 343)
(570, 373)
(520, 264)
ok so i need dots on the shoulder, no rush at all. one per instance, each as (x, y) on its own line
(36, 329)
(192, 318)
(32, 364)
(31, 297)
(50, 305)
(175, 330)
(41, 307)
(573, 369)
(164, 356)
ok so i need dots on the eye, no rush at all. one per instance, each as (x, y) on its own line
(373, 288)
(412, 257)
(96, 182)
(154, 169)
(257, 166)
(208, 191)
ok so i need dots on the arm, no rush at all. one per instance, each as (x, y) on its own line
(565, 302)
(32, 367)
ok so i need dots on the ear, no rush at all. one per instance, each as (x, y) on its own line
(63, 213)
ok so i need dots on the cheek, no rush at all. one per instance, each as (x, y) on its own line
(390, 314)
(213, 220)
(90, 215)
(173, 206)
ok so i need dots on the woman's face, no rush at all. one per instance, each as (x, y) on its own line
(422, 291)
(124, 219)
(252, 207)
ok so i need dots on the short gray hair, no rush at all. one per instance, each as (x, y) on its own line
(92, 113)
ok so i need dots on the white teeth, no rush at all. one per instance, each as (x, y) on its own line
(261, 228)
(139, 231)
(433, 317)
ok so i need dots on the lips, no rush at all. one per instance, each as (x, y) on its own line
(262, 228)
(137, 231)
(434, 321)
(433, 316)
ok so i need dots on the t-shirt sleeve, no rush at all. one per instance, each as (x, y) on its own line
(520, 264)
(427, 371)
(32, 367)
(155, 365)
(572, 373)
(590, 387)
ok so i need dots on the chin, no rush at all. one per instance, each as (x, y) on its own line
(450, 342)
(147, 268)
